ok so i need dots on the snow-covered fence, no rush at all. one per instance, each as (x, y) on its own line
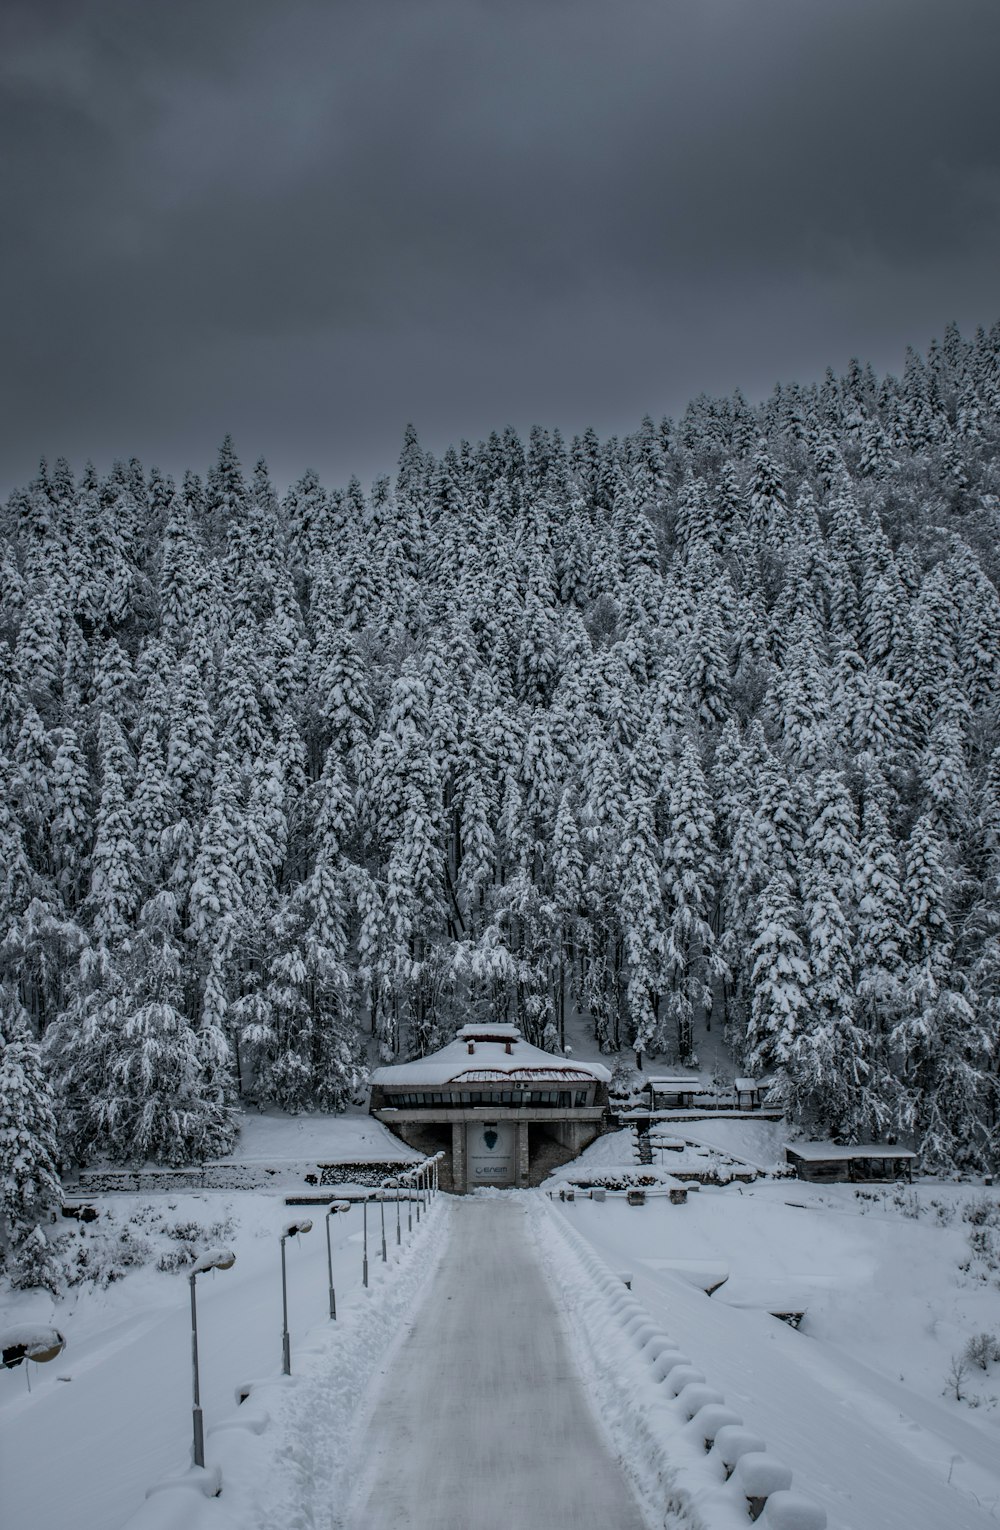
(287, 1441)
(238, 1176)
(683, 1447)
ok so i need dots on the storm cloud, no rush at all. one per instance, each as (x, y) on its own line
(307, 223)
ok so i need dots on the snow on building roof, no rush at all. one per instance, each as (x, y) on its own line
(688, 1082)
(572, 1075)
(486, 1053)
(818, 1152)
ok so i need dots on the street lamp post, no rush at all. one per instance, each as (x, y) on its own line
(381, 1207)
(330, 1212)
(291, 1231)
(31, 1341)
(215, 1259)
(393, 1185)
(364, 1241)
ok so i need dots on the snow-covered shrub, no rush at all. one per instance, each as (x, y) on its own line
(982, 1212)
(983, 1239)
(108, 1251)
(185, 1232)
(179, 1258)
(982, 1349)
(37, 1263)
(907, 1202)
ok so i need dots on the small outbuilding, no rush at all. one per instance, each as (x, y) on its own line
(503, 1111)
(859, 1163)
(671, 1091)
(751, 1092)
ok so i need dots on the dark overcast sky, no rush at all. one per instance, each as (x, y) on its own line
(310, 222)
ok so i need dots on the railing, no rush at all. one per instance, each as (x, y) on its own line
(705, 1447)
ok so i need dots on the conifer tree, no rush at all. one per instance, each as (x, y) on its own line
(779, 979)
(29, 1174)
(114, 880)
(690, 872)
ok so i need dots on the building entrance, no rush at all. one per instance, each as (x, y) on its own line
(489, 1153)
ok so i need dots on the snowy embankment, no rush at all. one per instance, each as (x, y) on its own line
(757, 1143)
(271, 1137)
(878, 1452)
(675, 1436)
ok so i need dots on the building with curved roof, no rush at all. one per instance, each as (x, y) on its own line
(504, 1112)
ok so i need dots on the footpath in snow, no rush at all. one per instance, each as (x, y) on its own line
(482, 1419)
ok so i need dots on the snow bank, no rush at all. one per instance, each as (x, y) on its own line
(883, 1284)
(649, 1397)
(274, 1138)
(758, 1143)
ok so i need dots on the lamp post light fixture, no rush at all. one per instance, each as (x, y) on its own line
(331, 1211)
(31, 1341)
(291, 1231)
(214, 1259)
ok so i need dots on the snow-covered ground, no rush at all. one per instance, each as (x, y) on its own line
(271, 1137)
(893, 1281)
(113, 1413)
(853, 1401)
(758, 1143)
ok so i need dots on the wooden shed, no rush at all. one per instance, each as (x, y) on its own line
(668, 1091)
(859, 1163)
(751, 1092)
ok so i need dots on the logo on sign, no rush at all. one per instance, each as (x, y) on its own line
(491, 1137)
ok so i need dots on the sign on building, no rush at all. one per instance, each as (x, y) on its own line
(489, 1149)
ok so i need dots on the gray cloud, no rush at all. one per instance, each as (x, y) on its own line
(308, 223)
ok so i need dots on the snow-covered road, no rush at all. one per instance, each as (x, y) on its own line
(482, 1420)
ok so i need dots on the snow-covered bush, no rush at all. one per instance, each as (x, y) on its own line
(982, 1349)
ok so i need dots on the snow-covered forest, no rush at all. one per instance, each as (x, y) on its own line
(697, 726)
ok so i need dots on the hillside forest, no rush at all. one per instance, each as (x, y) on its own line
(695, 728)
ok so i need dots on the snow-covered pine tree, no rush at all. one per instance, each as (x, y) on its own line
(779, 979)
(29, 1154)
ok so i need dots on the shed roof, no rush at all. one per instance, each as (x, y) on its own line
(489, 1061)
(688, 1083)
(825, 1152)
